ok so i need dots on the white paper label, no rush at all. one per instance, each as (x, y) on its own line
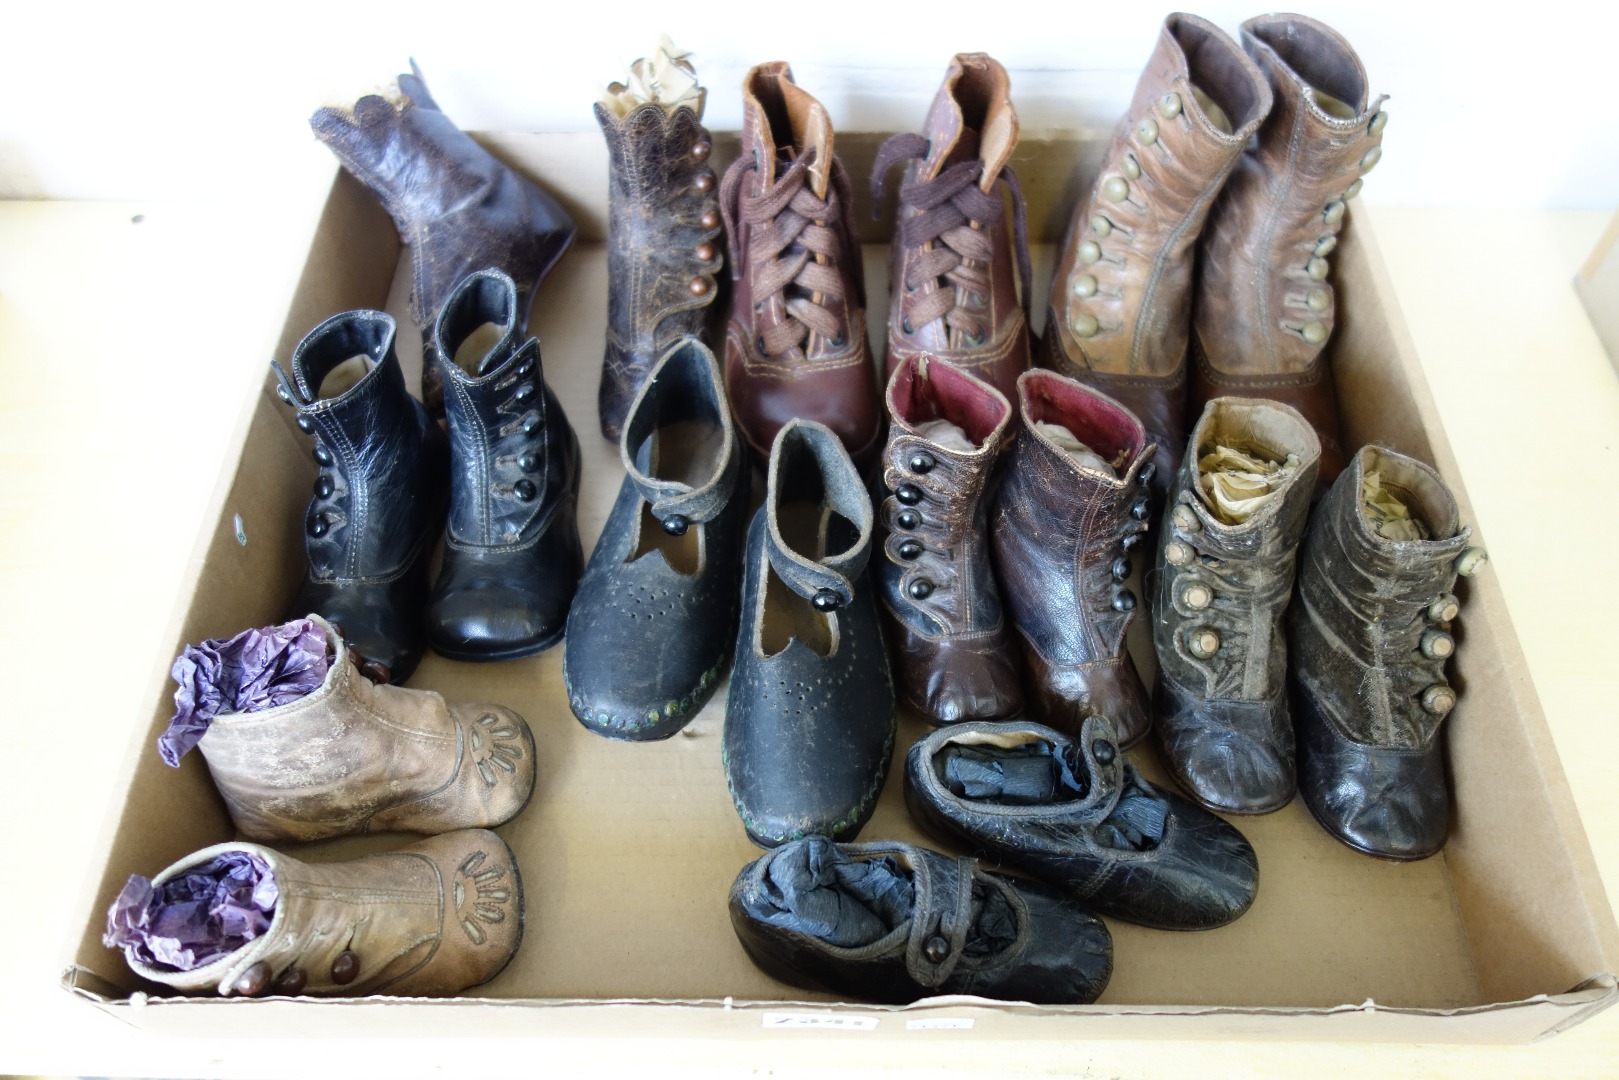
(820, 1020)
(940, 1023)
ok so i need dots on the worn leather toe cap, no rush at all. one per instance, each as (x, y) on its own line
(495, 605)
(1386, 801)
(1063, 696)
(954, 680)
(1234, 757)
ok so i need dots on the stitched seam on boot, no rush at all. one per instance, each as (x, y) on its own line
(1138, 337)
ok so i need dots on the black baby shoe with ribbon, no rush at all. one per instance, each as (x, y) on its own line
(891, 923)
(512, 555)
(809, 718)
(379, 492)
(656, 611)
(1076, 813)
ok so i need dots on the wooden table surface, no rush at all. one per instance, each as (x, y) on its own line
(129, 338)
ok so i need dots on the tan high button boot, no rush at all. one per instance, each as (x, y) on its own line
(356, 756)
(1121, 299)
(433, 918)
(1265, 304)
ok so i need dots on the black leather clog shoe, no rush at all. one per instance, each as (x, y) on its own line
(655, 616)
(887, 922)
(1077, 814)
(809, 718)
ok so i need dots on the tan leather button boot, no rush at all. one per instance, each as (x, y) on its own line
(1121, 299)
(1265, 304)
(958, 262)
(796, 343)
(430, 919)
(357, 756)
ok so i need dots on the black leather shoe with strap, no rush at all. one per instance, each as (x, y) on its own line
(891, 923)
(809, 718)
(655, 615)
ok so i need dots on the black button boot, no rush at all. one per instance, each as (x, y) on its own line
(1369, 635)
(809, 719)
(651, 627)
(379, 495)
(512, 556)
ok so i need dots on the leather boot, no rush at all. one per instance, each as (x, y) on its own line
(1121, 298)
(663, 232)
(1062, 531)
(512, 556)
(430, 919)
(356, 756)
(809, 718)
(1222, 587)
(379, 495)
(955, 290)
(457, 208)
(655, 617)
(796, 345)
(1265, 305)
(1370, 632)
(952, 647)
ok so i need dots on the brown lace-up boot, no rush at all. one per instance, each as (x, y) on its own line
(796, 344)
(1264, 303)
(954, 294)
(1121, 297)
(952, 645)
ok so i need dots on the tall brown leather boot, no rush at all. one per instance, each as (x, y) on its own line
(1071, 507)
(956, 268)
(457, 208)
(430, 919)
(1224, 574)
(1265, 305)
(663, 225)
(356, 756)
(953, 655)
(1121, 299)
(1370, 633)
(796, 345)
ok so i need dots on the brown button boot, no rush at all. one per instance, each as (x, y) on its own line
(1071, 506)
(457, 207)
(1121, 299)
(952, 649)
(956, 270)
(1370, 633)
(663, 226)
(1265, 305)
(357, 756)
(796, 345)
(1224, 574)
(430, 919)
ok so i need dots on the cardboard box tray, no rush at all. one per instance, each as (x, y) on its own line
(627, 851)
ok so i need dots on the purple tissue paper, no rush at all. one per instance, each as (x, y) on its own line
(255, 670)
(196, 917)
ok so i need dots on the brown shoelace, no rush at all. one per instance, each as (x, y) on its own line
(791, 248)
(944, 235)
